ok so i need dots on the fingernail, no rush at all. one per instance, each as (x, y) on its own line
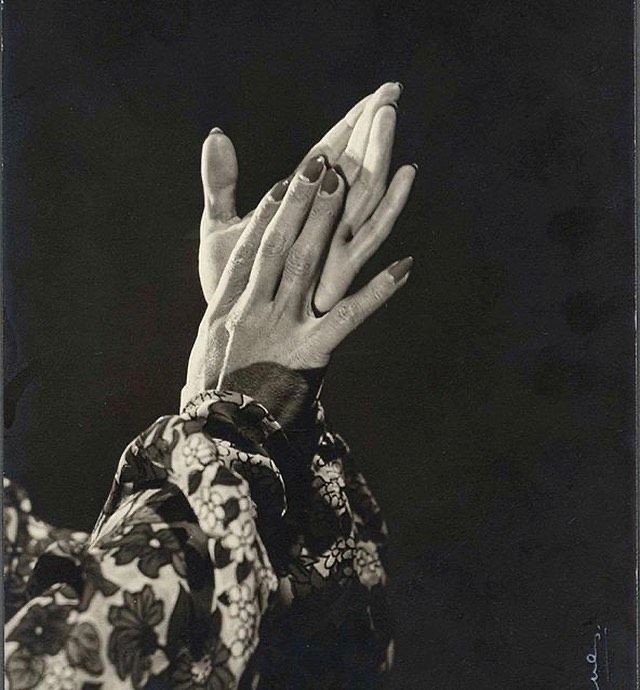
(279, 189)
(216, 130)
(416, 166)
(394, 105)
(400, 85)
(330, 182)
(399, 269)
(313, 169)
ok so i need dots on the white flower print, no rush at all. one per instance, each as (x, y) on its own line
(241, 604)
(240, 539)
(341, 550)
(245, 502)
(208, 505)
(198, 449)
(244, 610)
(267, 582)
(60, 675)
(38, 531)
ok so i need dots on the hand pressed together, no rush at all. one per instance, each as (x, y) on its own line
(280, 297)
(274, 320)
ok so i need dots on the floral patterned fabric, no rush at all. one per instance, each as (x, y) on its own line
(224, 557)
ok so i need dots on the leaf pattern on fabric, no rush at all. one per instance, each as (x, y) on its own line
(222, 559)
(134, 638)
(23, 669)
(152, 548)
(42, 630)
(83, 648)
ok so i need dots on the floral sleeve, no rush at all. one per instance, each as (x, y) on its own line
(221, 559)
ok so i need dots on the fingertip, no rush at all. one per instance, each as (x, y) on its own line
(313, 169)
(400, 269)
(279, 189)
(217, 143)
(330, 183)
(406, 174)
(390, 89)
(219, 172)
(217, 139)
(219, 157)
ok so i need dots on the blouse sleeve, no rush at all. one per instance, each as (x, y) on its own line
(219, 557)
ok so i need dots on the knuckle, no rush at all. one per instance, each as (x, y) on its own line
(298, 262)
(239, 260)
(345, 312)
(264, 213)
(386, 205)
(318, 211)
(363, 186)
(272, 245)
(376, 190)
(377, 294)
(299, 193)
(393, 202)
(234, 318)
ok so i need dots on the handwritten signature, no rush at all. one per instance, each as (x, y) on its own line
(599, 645)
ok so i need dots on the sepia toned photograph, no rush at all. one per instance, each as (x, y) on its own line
(319, 345)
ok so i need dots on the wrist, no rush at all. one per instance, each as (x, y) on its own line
(289, 395)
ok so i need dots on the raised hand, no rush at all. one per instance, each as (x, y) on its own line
(274, 321)
(344, 145)
(361, 153)
(369, 213)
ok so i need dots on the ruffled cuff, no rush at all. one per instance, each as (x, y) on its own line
(230, 413)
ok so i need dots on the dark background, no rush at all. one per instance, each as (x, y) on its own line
(491, 402)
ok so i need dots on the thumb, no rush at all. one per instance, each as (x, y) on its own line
(219, 170)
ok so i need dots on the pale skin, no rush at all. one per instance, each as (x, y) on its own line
(276, 280)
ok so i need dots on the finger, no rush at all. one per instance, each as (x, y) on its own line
(338, 272)
(236, 273)
(305, 256)
(284, 229)
(379, 226)
(219, 171)
(369, 187)
(352, 159)
(334, 141)
(351, 311)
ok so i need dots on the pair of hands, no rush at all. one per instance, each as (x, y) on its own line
(275, 280)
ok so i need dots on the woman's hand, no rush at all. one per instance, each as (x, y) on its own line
(369, 212)
(364, 160)
(274, 321)
(345, 145)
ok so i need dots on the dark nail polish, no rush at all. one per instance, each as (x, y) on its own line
(330, 182)
(216, 130)
(279, 189)
(400, 269)
(416, 166)
(400, 86)
(394, 105)
(313, 169)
